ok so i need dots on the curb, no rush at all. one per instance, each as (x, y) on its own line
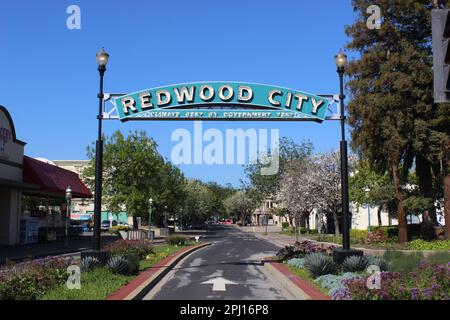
(141, 285)
(296, 285)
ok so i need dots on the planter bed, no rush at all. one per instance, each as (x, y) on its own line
(99, 283)
(395, 276)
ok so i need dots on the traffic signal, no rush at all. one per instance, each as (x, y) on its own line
(441, 54)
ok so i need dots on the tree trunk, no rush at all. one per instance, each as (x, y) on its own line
(336, 223)
(429, 221)
(402, 225)
(447, 191)
(302, 220)
(380, 223)
(135, 223)
(289, 220)
(308, 227)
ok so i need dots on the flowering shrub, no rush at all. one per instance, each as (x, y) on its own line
(341, 294)
(29, 280)
(335, 284)
(377, 236)
(430, 282)
(141, 248)
(301, 248)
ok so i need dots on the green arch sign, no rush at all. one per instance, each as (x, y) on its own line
(221, 101)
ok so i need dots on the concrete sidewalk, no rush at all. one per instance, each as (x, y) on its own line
(282, 240)
(278, 239)
(38, 250)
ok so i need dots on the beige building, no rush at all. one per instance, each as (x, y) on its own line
(11, 184)
(265, 214)
(362, 216)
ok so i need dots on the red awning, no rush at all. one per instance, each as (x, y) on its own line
(53, 179)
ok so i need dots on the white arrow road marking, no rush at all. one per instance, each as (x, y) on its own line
(219, 283)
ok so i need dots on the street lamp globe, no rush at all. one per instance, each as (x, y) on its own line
(340, 59)
(68, 193)
(150, 201)
(102, 58)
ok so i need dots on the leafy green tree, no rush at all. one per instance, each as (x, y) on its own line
(198, 201)
(133, 172)
(381, 192)
(218, 195)
(266, 186)
(241, 205)
(172, 193)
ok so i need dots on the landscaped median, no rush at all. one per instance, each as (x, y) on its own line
(296, 281)
(395, 276)
(130, 269)
(146, 280)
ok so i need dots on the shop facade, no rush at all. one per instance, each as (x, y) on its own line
(33, 207)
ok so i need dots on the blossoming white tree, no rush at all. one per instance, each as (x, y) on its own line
(312, 183)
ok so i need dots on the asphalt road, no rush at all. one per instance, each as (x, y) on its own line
(232, 262)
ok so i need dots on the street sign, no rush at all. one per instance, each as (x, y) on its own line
(441, 54)
(221, 101)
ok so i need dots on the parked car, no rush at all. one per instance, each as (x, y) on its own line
(106, 224)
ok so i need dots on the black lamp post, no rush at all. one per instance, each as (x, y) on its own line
(341, 254)
(102, 59)
(165, 216)
(68, 202)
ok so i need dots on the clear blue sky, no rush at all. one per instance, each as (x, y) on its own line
(49, 77)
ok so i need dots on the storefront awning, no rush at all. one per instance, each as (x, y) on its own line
(52, 179)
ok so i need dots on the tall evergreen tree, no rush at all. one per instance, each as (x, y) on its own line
(391, 109)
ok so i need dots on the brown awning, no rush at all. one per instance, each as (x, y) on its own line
(52, 179)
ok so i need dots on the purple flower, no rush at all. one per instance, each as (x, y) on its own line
(427, 293)
(422, 265)
(341, 294)
(384, 295)
(415, 293)
(412, 274)
(435, 287)
(401, 289)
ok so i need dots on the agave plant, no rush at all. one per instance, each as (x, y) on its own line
(118, 264)
(319, 264)
(355, 264)
(378, 261)
(88, 263)
(296, 262)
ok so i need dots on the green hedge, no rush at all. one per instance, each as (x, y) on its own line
(420, 244)
(177, 240)
(358, 234)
